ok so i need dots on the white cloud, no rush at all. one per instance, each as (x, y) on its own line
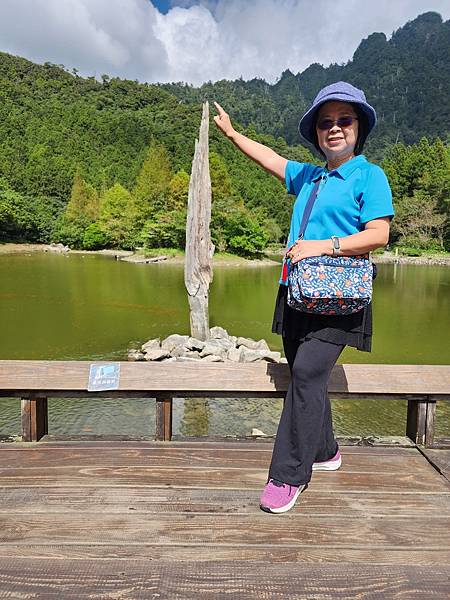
(199, 40)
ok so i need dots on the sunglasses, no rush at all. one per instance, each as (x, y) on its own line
(324, 124)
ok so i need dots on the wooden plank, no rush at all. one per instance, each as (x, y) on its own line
(86, 579)
(440, 459)
(354, 531)
(223, 377)
(295, 553)
(146, 500)
(107, 443)
(224, 478)
(430, 423)
(43, 458)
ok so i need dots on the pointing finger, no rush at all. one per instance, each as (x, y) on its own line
(219, 109)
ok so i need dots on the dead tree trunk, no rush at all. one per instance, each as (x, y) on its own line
(199, 248)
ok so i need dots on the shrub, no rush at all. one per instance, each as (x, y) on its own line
(94, 238)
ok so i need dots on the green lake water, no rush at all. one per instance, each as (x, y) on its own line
(92, 307)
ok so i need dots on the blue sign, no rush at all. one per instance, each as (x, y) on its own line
(104, 377)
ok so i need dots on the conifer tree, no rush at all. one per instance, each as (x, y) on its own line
(150, 193)
(114, 218)
(177, 195)
(84, 202)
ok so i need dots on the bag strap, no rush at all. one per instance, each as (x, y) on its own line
(308, 208)
(306, 213)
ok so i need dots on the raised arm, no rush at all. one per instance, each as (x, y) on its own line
(262, 155)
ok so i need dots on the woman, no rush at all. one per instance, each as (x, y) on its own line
(351, 216)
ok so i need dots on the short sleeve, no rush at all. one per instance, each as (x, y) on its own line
(296, 174)
(376, 200)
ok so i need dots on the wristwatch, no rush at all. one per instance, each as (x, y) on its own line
(336, 245)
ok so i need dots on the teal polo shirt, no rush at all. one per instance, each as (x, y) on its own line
(350, 196)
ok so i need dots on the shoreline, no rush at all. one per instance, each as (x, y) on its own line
(224, 260)
(227, 260)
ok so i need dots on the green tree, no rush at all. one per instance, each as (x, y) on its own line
(166, 230)
(221, 184)
(84, 202)
(150, 192)
(114, 220)
(420, 180)
(24, 218)
(419, 223)
(94, 238)
(177, 194)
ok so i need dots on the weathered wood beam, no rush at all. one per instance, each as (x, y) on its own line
(199, 248)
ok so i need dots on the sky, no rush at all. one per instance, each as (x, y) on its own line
(198, 40)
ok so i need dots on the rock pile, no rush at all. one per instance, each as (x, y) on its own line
(56, 248)
(219, 347)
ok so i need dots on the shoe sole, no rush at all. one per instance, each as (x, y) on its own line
(277, 511)
(328, 466)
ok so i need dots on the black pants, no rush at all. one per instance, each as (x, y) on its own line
(305, 432)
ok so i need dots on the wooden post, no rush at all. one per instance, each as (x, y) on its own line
(34, 419)
(199, 248)
(429, 427)
(163, 432)
(420, 421)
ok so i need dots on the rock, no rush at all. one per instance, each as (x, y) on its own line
(248, 343)
(283, 360)
(186, 359)
(233, 339)
(236, 354)
(250, 355)
(180, 352)
(135, 355)
(212, 358)
(192, 354)
(222, 343)
(218, 333)
(171, 359)
(157, 354)
(174, 340)
(56, 248)
(270, 356)
(194, 344)
(262, 345)
(155, 343)
(214, 347)
(258, 433)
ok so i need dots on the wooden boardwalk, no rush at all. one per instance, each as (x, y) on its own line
(180, 520)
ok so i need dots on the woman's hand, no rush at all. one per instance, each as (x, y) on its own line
(222, 120)
(306, 248)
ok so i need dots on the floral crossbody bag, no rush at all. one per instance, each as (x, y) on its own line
(328, 285)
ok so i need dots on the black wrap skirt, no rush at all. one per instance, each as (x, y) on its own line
(352, 330)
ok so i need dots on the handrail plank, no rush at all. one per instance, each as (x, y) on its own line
(223, 377)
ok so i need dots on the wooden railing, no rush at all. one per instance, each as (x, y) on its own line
(35, 381)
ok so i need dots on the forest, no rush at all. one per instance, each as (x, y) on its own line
(105, 163)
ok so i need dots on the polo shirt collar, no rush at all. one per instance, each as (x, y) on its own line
(346, 169)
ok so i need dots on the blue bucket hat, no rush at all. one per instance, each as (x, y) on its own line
(342, 92)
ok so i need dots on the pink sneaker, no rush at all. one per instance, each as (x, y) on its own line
(329, 465)
(279, 497)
